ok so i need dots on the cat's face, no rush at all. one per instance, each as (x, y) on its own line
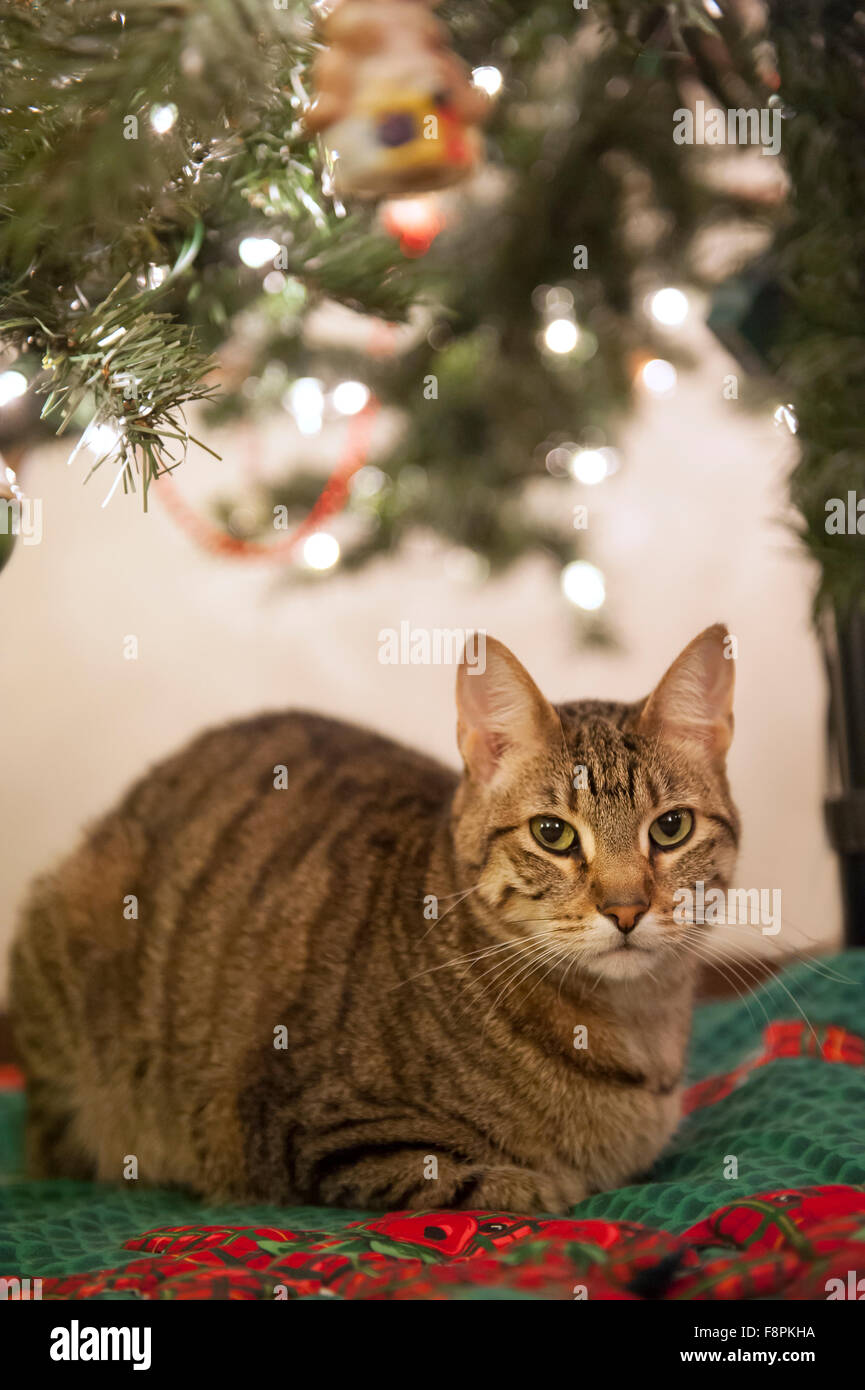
(579, 823)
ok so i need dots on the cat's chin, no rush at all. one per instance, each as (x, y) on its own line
(620, 963)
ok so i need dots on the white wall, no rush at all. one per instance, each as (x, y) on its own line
(691, 530)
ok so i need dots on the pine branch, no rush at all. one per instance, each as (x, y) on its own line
(97, 194)
(94, 76)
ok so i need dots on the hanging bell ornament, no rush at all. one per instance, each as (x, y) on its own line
(396, 107)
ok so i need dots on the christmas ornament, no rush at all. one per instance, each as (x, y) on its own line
(398, 107)
(415, 222)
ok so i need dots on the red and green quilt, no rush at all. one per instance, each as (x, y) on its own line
(761, 1195)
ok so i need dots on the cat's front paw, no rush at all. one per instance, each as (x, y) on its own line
(526, 1191)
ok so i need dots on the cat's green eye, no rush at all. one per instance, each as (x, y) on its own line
(552, 833)
(672, 828)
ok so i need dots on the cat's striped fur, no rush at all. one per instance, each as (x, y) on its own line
(286, 1019)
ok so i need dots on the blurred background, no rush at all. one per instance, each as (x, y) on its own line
(537, 368)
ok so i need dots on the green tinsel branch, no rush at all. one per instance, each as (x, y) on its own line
(96, 198)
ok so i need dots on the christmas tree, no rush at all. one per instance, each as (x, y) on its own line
(172, 227)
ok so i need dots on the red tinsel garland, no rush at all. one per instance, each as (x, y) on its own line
(331, 500)
(382, 338)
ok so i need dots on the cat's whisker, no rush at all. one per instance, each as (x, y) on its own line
(777, 980)
(444, 897)
(468, 957)
(527, 961)
(651, 974)
(774, 979)
(528, 942)
(740, 983)
(742, 989)
(523, 972)
(596, 984)
(752, 956)
(460, 898)
(805, 936)
(565, 973)
(777, 952)
(503, 965)
(552, 953)
(524, 920)
(560, 958)
(511, 970)
(812, 963)
(501, 970)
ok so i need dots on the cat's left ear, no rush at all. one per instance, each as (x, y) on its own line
(693, 704)
(502, 717)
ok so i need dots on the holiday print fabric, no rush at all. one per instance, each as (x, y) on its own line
(791, 1245)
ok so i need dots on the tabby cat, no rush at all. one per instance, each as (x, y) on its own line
(372, 982)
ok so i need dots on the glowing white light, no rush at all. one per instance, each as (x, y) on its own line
(320, 550)
(558, 460)
(561, 335)
(367, 481)
(713, 8)
(12, 385)
(306, 402)
(489, 80)
(659, 377)
(558, 299)
(105, 441)
(256, 251)
(784, 415)
(669, 307)
(162, 118)
(583, 584)
(155, 276)
(12, 490)
(589, 466)
(350, 397)
(101, 439)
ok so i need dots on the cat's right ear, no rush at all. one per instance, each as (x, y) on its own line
(502, 717)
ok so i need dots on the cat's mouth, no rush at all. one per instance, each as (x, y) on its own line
(625, 960)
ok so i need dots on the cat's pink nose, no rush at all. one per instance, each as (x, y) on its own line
(625, 915)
